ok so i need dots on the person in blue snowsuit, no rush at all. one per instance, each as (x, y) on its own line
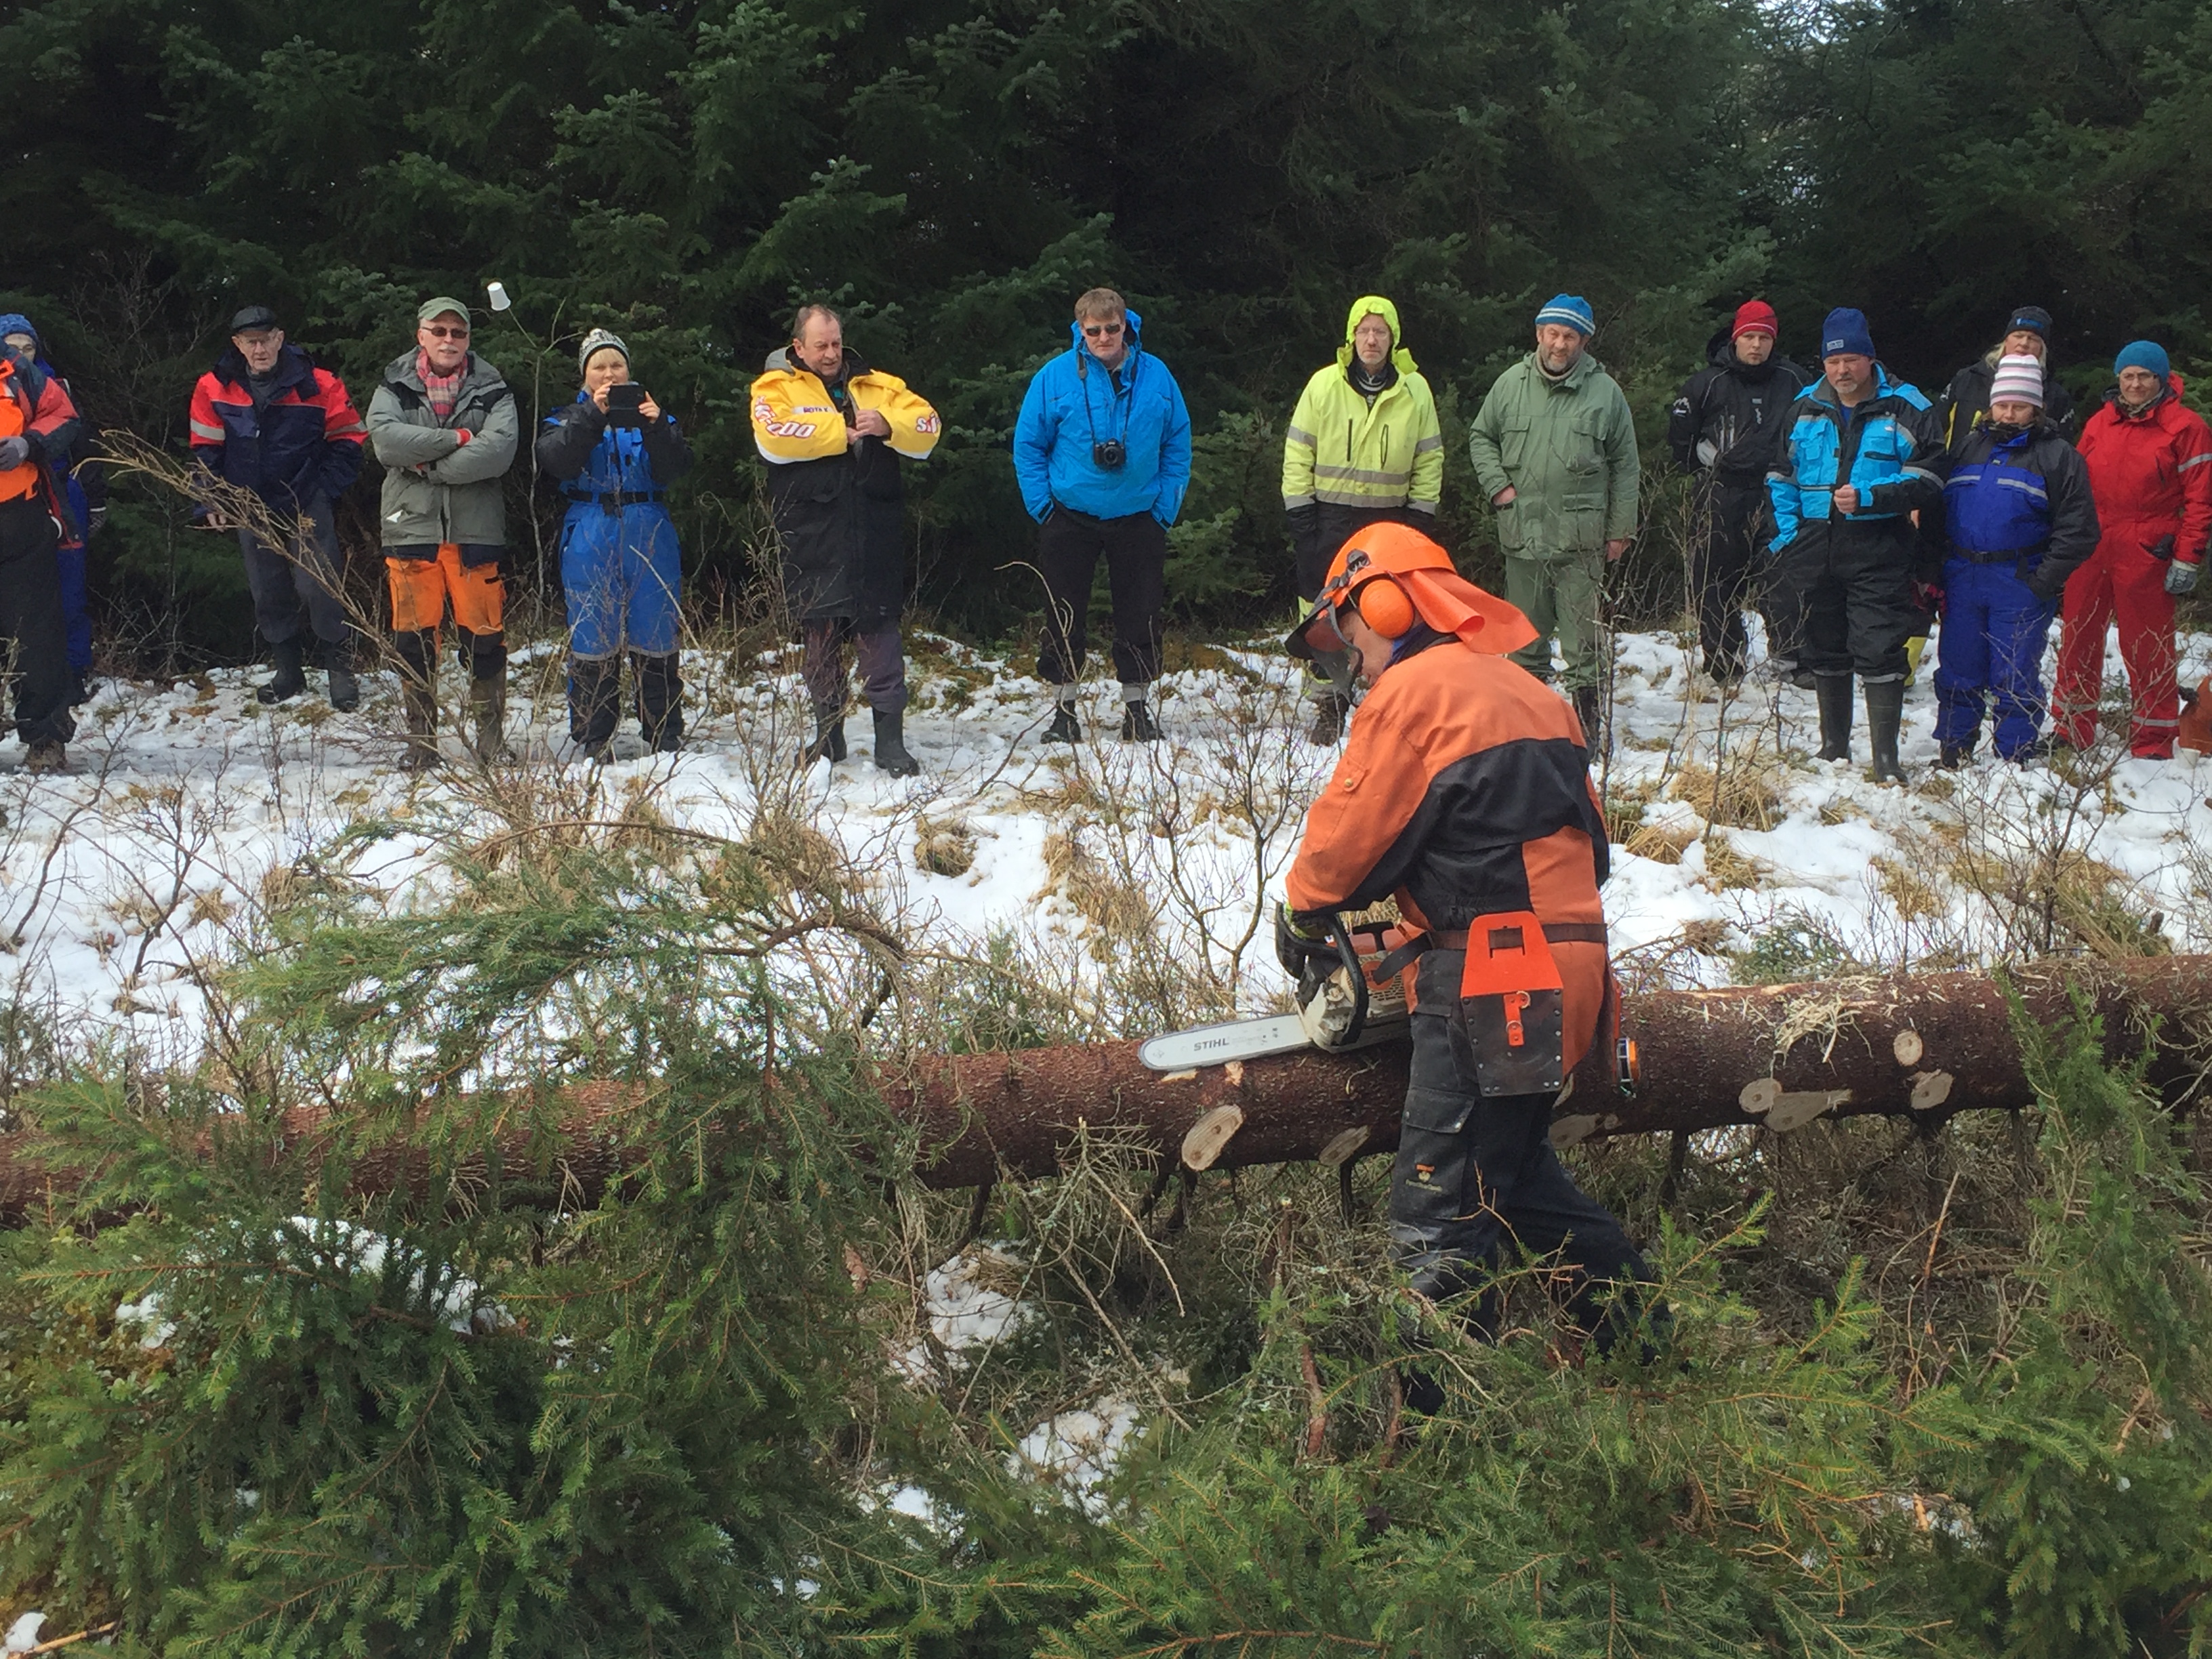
(2019, 518)
(83, 481)
(1101, 450)
(615, 455)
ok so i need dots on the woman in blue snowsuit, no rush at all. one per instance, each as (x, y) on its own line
(619, 563)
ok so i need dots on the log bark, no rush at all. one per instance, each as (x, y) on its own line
(1925, 1047)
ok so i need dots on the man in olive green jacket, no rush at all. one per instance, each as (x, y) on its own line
(444, 427)
(1554, 448)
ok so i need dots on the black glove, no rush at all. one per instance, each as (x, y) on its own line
(1301, 936)
(2180, 578)
(94, 518)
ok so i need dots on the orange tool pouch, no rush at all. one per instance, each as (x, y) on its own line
(1510, 1030)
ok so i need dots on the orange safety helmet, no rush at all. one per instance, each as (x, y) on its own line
(1396, 576)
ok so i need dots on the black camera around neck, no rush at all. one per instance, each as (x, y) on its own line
(1109, 453)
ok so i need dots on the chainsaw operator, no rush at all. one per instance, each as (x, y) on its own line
(1464, 791)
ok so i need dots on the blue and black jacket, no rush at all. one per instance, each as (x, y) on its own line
(1887, 448)
(2021, 498)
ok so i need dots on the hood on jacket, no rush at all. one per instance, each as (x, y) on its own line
(1135, 335)
(1374, 304)
(2172, 389)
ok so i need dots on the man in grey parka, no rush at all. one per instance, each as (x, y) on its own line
(444, 425)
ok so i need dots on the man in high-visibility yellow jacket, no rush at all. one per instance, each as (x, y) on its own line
(834, 433)
(1363, 446)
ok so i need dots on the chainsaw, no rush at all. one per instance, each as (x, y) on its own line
(1364, 998)
(1359, 1000)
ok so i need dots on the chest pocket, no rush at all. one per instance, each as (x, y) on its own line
(1513, 442)
(1584, 437)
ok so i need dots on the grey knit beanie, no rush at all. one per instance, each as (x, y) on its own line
(599, 339)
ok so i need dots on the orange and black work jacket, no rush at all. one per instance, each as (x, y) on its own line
(36, 407)
(1464, 792)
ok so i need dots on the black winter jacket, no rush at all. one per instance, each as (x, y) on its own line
(841, 522)
(1966, 399)
(1730, 416)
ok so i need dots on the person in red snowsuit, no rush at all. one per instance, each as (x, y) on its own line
(2150, 472)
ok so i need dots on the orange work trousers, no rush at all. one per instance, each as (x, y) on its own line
(421, 589)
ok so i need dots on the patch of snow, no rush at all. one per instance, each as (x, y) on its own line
(1076, 1450)
(23, 1635)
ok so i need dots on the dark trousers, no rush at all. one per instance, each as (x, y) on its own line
(1477, 1180)
(1724, 558)
(594, 694)
(31, 615)
(77, 624)
(299, 582)
(1069, 544)
(882, 660)
(1848, 589)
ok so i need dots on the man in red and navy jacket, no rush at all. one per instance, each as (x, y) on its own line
(267, 419)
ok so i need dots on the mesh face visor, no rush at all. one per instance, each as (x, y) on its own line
(1318, 635)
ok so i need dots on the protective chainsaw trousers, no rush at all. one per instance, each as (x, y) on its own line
(1477, 1181)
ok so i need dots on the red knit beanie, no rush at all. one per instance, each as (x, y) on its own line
(1754, 316)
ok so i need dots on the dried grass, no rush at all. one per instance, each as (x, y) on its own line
(1743, 795)
(946, 849)
(1728, 866)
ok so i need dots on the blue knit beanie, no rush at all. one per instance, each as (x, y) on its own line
(2144, 353)
(1845, 334)
(1569, 311)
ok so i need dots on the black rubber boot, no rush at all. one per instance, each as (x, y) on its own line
(1884, 704)
(1065, 727)
(422, 752)
(1835, 694)
(829, 741)
(291, 676)
(488, 704)
(1137, 725)
(891, 752)
(1954, 756)
(1591, 713)
(1330, 709)
(659, 701)
(592, 686)
(345, 689)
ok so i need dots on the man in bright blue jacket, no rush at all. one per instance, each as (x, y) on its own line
(1860, 455)
(1102, 452)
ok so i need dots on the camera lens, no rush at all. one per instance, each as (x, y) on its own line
(1109, 453)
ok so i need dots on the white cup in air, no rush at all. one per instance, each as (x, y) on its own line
(496, 292)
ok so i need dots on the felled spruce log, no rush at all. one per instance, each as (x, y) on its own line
(1783, 1056)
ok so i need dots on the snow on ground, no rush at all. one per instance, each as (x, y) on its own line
(189, 800)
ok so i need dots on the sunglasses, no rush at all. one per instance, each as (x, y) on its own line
(437, 333)
(1096, 331)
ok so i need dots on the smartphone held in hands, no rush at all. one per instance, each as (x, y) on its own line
(624, 404)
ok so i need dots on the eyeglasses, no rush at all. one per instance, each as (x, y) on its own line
(1098, 330)
(437, 333)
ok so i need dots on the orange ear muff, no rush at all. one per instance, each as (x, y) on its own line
(1385, 607)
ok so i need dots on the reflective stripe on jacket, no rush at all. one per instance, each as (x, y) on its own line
(2152, 472)
(1567, 448)
(1886, 448)
(303, 443)
(1464, 790)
